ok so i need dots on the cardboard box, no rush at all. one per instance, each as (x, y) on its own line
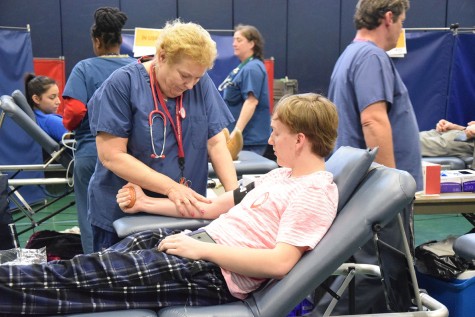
(431, 174)
(450, 181)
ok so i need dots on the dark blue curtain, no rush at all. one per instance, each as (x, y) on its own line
(438, 71)
(225, 62)
(461, 101)
(16, 146)
(426, 72)
(17, 58)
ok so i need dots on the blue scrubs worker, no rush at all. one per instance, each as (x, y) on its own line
(162, 146)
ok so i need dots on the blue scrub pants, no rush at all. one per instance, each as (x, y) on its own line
(83, 170)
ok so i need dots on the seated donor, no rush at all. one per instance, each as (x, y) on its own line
(42, 94)
(441, 140)
(261, 237)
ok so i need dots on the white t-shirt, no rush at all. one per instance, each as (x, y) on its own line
(294, 210)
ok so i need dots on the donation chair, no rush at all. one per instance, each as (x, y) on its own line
(248, 163)
(464, 246)
(61, 159)
(363, 206)
(454, 162)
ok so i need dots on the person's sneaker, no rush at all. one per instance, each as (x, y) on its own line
(235, 143)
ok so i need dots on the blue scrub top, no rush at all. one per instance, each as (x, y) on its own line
(251, 78)
(52, 124)
(85, 78)
(121, 107)
(365, 74)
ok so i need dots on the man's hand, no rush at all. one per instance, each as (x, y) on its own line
(182, 245)
(444, 125)
(470, 131)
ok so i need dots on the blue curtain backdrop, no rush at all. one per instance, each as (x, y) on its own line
(461, 101)
(426, 72)
(17, 58)
(438, 71)
(16, 146)
(225, 62)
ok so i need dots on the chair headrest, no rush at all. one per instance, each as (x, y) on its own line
(9, 106)
(349, 166)
(21, 101)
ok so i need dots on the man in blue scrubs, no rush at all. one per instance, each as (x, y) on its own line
(375, 111)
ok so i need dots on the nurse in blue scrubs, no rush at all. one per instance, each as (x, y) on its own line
(156, 124)
(246, 90)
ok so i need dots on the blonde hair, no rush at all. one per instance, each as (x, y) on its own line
(313, 115)
(178, 39)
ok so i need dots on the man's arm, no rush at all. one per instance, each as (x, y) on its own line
(222, 162)
(377, 131)
(259, 263)
(165, 207)
(444, 125)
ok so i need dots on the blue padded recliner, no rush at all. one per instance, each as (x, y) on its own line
(454, 162)
(464, 246)
(366, 199)
(22, 114)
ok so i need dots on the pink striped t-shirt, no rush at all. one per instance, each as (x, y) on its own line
(294, 210)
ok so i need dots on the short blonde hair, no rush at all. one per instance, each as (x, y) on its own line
(178, 39)
(313, 115)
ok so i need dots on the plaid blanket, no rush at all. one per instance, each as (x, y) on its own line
(130, 274)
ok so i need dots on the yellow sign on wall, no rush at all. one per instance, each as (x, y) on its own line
(145, 41)
(400, 50)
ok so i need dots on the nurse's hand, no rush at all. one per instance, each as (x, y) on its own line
(186, 200)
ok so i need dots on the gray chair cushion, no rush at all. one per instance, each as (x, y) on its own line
(348, 166)
(464, 246)
(29, 125)
(118, 313)
(21, 101)
(248, 163)
(447, 162)
(10, 107)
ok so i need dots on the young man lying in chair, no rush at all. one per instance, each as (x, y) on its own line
(252, 240)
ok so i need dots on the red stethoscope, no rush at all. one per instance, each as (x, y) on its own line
(180, 114)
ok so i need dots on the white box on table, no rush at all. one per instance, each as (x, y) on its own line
(450, 181)
(468, 180)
